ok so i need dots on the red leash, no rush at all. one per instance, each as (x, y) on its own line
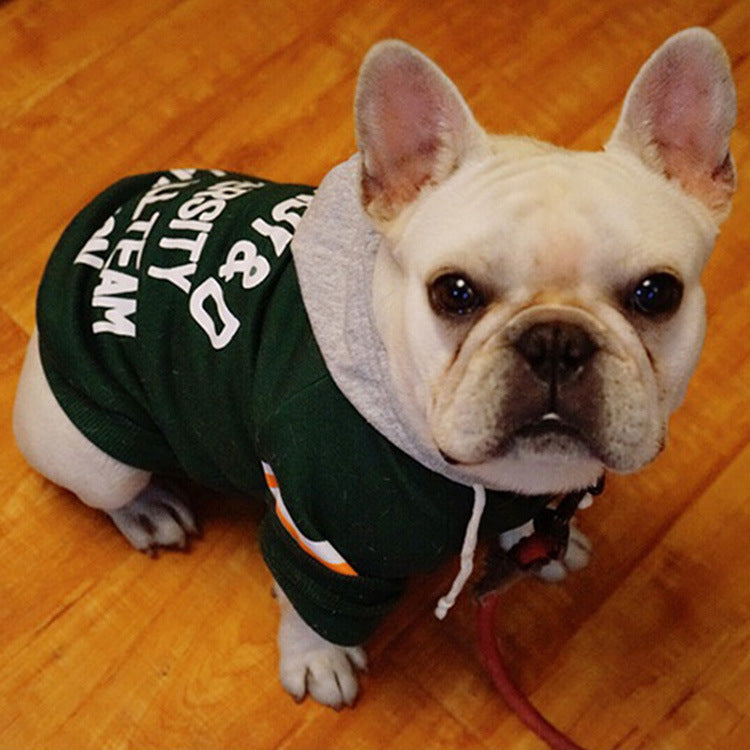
(548, 542)
(510, 693)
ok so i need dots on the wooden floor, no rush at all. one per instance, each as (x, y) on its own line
(101, 647)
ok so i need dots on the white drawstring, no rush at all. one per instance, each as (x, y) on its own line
(467, 554)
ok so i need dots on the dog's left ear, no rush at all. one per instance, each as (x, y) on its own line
(678, 116)
(413, 127)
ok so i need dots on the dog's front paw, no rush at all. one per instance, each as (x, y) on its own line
(328, 673)
(311, 665)
(155, 518)
(576, 557)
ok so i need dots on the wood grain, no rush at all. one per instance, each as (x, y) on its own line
(101, 647)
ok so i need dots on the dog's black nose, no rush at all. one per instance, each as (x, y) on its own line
(556, 352)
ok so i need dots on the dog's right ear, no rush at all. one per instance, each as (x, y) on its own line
(413, 127)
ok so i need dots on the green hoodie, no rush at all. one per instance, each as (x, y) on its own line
(173, 333)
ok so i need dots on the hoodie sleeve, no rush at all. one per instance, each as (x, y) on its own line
(344, 608)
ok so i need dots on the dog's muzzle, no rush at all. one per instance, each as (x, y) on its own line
(553, 384)
(555, 389)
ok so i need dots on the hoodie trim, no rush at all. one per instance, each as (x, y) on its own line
(324, 552)
(334, 251)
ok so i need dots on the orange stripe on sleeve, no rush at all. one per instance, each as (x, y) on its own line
(324, 552)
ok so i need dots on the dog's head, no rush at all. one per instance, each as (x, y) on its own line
(541, 308)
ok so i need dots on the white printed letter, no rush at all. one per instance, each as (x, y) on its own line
(243, 259)
(89, 255)
(211, 290)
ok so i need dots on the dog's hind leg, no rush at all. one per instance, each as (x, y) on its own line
(148, 515)
(55, 447)
(156, 517)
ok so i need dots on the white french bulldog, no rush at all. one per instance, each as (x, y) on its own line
(512, 317)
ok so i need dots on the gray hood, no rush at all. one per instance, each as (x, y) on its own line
(334, 252)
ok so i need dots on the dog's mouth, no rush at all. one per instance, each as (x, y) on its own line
(549, 435)
(549, 425)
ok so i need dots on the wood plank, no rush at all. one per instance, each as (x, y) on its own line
(102, 647)
(666, 659)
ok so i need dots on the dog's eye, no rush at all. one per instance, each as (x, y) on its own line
(454, 295)
(658, 294)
